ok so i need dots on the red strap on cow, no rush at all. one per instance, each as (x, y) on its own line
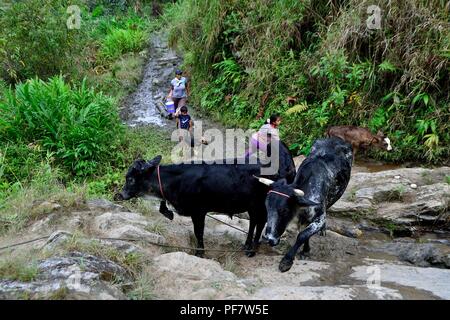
(279, 193)
(159, 181)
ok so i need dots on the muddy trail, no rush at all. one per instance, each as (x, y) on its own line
(142, 108)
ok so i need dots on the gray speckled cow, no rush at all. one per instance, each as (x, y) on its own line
(320, 181)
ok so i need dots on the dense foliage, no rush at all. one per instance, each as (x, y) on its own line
(79, 127)
(247, 57)
(60, 89)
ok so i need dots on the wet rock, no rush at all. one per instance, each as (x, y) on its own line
(419, 254)
(406, 196)
(75, 276)
(344, 228)
(436, 281)
(342, 292)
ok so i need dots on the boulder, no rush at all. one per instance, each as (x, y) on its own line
(418, 254)
(75, 276)
(45, 207)
(133, 232)
(406, 196)
(195, 278)
(111, 220)
(105, 205)
(218, 229)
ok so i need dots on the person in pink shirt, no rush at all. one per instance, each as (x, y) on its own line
(268, 132)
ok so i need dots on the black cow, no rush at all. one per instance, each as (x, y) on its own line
(322, 177)
(196, 189)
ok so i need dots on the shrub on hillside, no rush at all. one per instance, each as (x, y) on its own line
(79, 126)
(35, 40)
(120, 41)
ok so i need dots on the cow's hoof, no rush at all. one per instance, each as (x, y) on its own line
(303, 255)
(250, 253)
(200, 254)
(285, 265)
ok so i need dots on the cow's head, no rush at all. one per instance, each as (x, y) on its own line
(382, 141)
(137, 182)
(282, 202)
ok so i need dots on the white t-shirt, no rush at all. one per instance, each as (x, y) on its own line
(179, 87)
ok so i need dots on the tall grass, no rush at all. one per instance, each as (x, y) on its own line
(121, 41)
(79, 126)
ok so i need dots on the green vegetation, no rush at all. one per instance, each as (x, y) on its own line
(74, 125)
(143, 287)
(19, 200)
(396, 194)
(352, 195)
(247, 58)
(61, 138)
(34, 40)
(18, 268)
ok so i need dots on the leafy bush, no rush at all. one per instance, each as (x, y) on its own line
(120, 41)
(81, 127)
(121, 35)
(35, 41)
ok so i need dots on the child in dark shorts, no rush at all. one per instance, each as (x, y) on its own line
(184, 122)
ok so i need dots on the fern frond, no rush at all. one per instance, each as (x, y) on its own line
(297, 108)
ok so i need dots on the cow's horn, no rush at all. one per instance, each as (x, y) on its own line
(299, 192)
(267, 182)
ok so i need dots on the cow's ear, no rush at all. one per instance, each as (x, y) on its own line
(303, 202)
(155, 161)
(151, 164)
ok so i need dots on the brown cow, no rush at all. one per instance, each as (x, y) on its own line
(360, 138)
